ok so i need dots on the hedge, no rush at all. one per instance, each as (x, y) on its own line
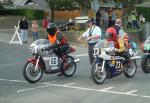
(145, 11)
(30, 13)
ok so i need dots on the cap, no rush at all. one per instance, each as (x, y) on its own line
(91, 20)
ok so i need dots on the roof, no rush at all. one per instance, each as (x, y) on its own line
(145, 4)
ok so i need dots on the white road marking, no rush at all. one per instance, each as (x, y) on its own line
(48, 82)
(19, 81)
(80, 55)
(4, 41)
(121, 93)
(69, 84)
(106, 89)
(11, 64)
(25, 90)
(131, 92)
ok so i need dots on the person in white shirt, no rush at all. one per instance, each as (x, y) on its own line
(92, 35)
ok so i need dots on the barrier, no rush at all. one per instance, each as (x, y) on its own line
(16, 34)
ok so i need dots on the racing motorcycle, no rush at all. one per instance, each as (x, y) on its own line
(46, 61)
(107, 64)
(145, 62)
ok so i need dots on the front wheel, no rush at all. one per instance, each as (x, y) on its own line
(145, 63)
(30, 74)
(130, 69)
(69, 69)
(98, 76)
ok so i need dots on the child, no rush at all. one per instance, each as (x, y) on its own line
(35, 30)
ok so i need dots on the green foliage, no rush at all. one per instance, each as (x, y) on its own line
(145, 12)
(1, 7)
(30, 13)
(60, 4)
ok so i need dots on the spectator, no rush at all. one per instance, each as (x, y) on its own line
(113, 16)
(98, 17)
(129, 24)
(105, 18)
(141, 19)
(23, 24)
(35, 30)
(134, 21)
(70, 25)
(45, 23)
(110, 23)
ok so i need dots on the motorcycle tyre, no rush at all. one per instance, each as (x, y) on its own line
(144, 63)
(63, 71)
(27, 78)
(128, 75)
(94, 74)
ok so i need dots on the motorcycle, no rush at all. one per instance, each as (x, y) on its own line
(145, 62)
(107, 64)
(46, 61)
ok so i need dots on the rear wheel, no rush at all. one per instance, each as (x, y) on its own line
(30, 74)
(131, 69)
(145, 63)
(98, 76)
(69, 69)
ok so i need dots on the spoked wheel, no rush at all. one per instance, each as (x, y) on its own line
(30, 74)
(130, 69)
(69, 68)
(98, 76)
(145, 63)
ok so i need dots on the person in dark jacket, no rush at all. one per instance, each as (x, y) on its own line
(58, 41)
(23, 25)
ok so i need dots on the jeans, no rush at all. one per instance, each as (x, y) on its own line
(24, 35)
(35, 35)
(135, 24)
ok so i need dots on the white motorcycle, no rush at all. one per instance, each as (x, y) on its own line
(108, 65)
(46, 61)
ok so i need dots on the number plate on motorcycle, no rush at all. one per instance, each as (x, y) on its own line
(53, 61)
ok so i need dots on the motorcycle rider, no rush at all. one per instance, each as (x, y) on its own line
(121, 41)
(58, 41)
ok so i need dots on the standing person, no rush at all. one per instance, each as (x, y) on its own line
(134, 21)
(105, 19)
(113, 16)
(129, 24)
(98, 17)
(45, 23)
(110, 23)
(92, 35)
(23, 24)
(35, 30)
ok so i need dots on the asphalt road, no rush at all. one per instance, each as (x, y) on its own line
(77, 89)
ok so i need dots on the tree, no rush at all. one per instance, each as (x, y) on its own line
(1, 6)
(60, 5)
(84, 5)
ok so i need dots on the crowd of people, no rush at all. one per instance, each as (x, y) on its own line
(24, 27)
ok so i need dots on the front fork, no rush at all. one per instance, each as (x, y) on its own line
(103, 64)
(37, 62)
